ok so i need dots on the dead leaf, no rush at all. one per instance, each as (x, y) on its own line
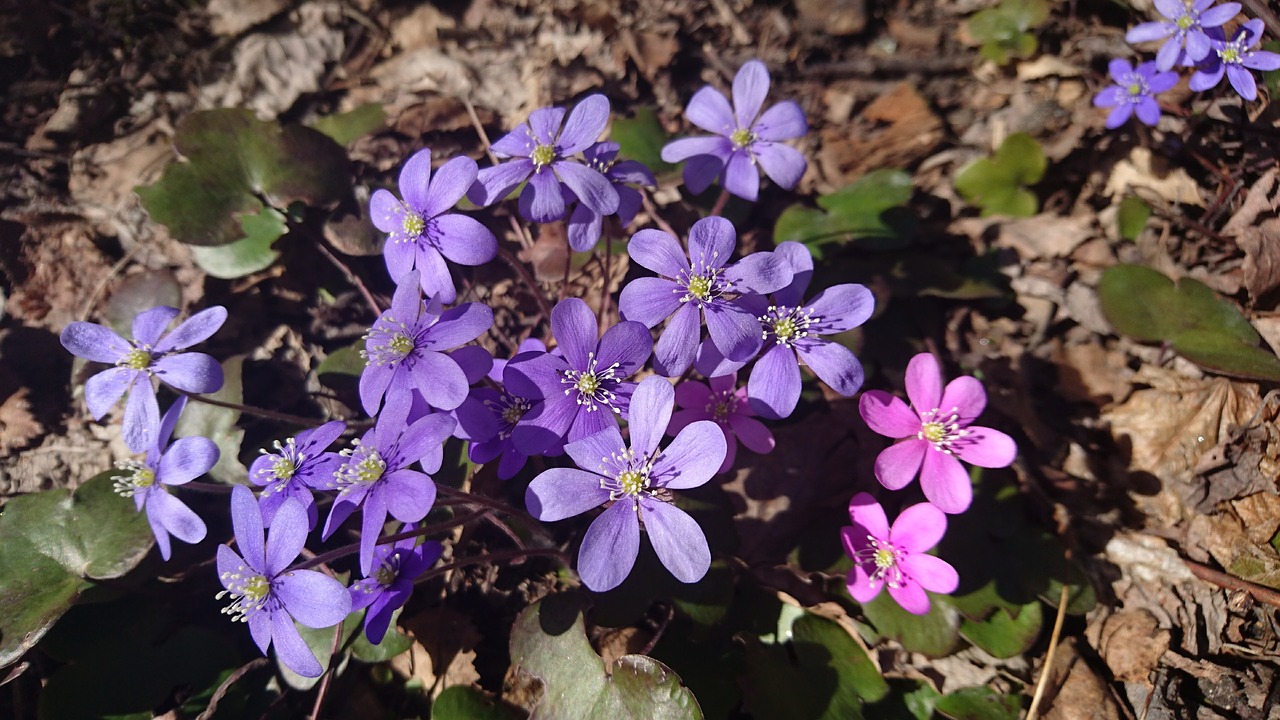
(1044, 236)
(1046, 66)
(17, 426)
(1223, 535)
(549, 253)
(1261, 245)
(443, 654)
(833, 17)
(1140, 170)
(1131, 643)
(1076, 692)
(1088, 372)
(912, 131)
(421, 27)
(232, 17)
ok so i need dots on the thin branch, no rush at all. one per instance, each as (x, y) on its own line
(1048, 661)
(350, 275)
(353, 548)
(1217, 577)
(323, 692)
(527, 279)
(720, 203)
(257, 411)
(234, 677)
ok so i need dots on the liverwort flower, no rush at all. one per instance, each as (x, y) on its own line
(896, 556)
(585, 224)
(1235, 59)
(635, 483)
(540, 152)
(391, 583)
(151, 353)
(297, 467)
(703, 284)
(726, 405)
(938, 427)
(266, 594)
(422, 233)
(1185, 23)
(1133, 91)
(577, 391)
(744, 136)
(185, 460)
(488, 417)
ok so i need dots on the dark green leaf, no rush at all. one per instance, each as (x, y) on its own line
(1003, 30)
(978, 703)
(34, 592)
(1132, 217)
(869, 211)
(1225, 354)
(462, 702)
(353, 124)
(1005, 634)
(393, 643)
(1138, 302)
(818, 640)
(344, 361)
(219, 424)
(935, 634)
(641, 138)
(247, 255)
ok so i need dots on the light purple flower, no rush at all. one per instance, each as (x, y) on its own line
(375, 477)
(744, 136)
(726, 405)
(636, 483)
(269, 596)
(151, 353)
(938, 427)
(585, 224)
(577, 390)
(541, 151)
(1133, 91)
(1234, 58)
(391, 583)
(185, 460)
(422, 231)
(1185, 25)
(696, 286)
(896, 556)
(297, 467)
(488, 416)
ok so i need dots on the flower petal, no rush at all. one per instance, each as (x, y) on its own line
(701, 146)
(246, 521)
(1149, 31)
(186, 459)
(987, 448)
(574, 327)
(701, 170)
(911, 597)
(103, 390)
(584, 126)
(592, 188)
(174, 515)
(711, 242)
(197, 328)
(750, 88)
(193, 372)
(541, 200)
(651, 406)
(677, 539)
(610, 547)
(409, 495)
(835, 364)
(945, 482)
(760, 273)
(451, 183)
(924, 382)
(965, 397)
(897, 465)
(416, 441)
(517, 143)
(288, 534)
(291, 649)
(545, 424)
(463, 239)
(149, 325)
(888, 415)
(649, 300)
(868, 519)
(495, 183)
(918, 528)
(861, 586)
(561, 493)
(545, 124)
(774, 385)
(141, 426)
(693, 395)
(710, 110)
(592, 451)
(659, 252)
(458, 325)
(801, 261)
(741, 177)
(692, 458)
(734, 329)
(841, 307)
(586, 226)
(95, 342)
(782, 163)
(627, 344)
(931, 573)
(1242, 82)
(783, 121)
(753, 433)
(678, 344)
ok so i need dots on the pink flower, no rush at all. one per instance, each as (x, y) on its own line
(727, 407)
(895, 556)
(937, 428)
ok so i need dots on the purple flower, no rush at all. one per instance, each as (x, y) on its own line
(423, 232)
(541, 150)
(488, 416)
(1185, 25)
(636, 483)
(376, 478)
(1234, 59)
(744, 136)
(404, 351)
(938, 427)
(579, 390)
(585, 224)
(896, 556)
(391, 583)
(297, 467)
(726, 406)
(269, 596)
(185, 460)
(1133, 91)
(697, 286)
(152, 352)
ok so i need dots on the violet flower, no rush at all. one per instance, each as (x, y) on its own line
(151, 353)
(541, 151)
(185, 460)
(896, 556)
(726, 405)
(1184, 26)
(578, 389)
(585, 224)
(376, 478)
(1235, 59)
(1133, 92)
(699, 285)
(422, 231)
(297, 467)
(487, 418)
(938, 427)
(388, 588)
(744, 136)
(269, 596)
(636, 484)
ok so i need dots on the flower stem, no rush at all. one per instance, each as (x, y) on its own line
(256, 411)
(493, 558)
(353, 548)
(720, 203)
(350, 275)
(527, 279)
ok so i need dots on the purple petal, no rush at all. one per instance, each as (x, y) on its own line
(409, 495)
(561, 493)
(149, 325)
(399, 255)
(677, 346)
(495, 183)
(574, 327)
(1162, 82)
(753, 433)
(841, 307)
(710, 110)
(186, 459)
(632, 172)
(868, 519)
(740, 176)
(987, 448)
(541, 200)
(711, 241)
(701, 146)
(1110, 96)
(193, 372)
(141, 426)
(175, 517)
(291, 649)
(591, 452)
(545, 124)
(734, 329)
(774, 385)
(782, 163)
(545, 424)
(692, 458)
(649, 300)
(750, 87)
(712, 363)
(228, 563)
(246, 521)
(651, 406)
(415, 181)
(834, 364)
(374, 381)
(681, 419)
(1262, 60)
(419, 439)
(628, 344)
(1198, 47)
(783, 121)
(659, 252)
(1172, 9)
(730, 450)
(801, 261)
(1220, 15)
(512, 462)
(586, 226)
(1207, 78)
(458, 325)
(197, 328)
(288, 534)
(918, 528)
(760, 273)
(103, 390)
(169, 421)
(592, 422)
(1149, 31)
(451, 183)
(436, 282)
(932, 573)
(585, 124)
(592, 188)
(887, 415)
(1169, 53)
(693, 395)
(1120, 70)
(463, 239)
(535, 375)
(475, 361)
(897, 465)
(911, 597)
(1119, 116)
(1242, 81)
(387, 214)
(945, 482)
(260, 629)
(610, 547)
(701, 170)
(517, 143)
(677, 539)
(965, 397)
(924, 382)
(94, 342)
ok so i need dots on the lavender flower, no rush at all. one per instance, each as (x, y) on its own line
(269, 596)
(423, 232)
(1133, 91)
(185, 460)
(585, 224)
(726, 405)
(152, 353)
(701, 285)
(938, 427)
(578, 391)
(743, 137)
(488, 416)
(638, 482)
(1234, 58)
(391, 583)
(896, 556)
(542, 149)
(1184, 26)
(297, 467)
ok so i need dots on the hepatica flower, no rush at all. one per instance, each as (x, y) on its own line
(1133, 92)
(896, 556)
(422, 232)
(725, 404)
(744, 136)
(151, 353)
(1184, 25)
(266, 594)
(939, 432)
(395, 567)
(1235, 59)
(585, 224)
(540, 153)
(298, 466)
(635, 483)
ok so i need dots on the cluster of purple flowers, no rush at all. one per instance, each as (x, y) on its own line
(1194, 36)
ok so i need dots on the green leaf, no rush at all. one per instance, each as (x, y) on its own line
(139, 292)
(344, 361)
(869, 211)
(1222, 353)
(393, 643)
(344, 128)
(1005, 634)
(34, 591)
(462, 702)
(1003, 30)
(219, 424)
(934, 634)
(249, 254)
(998, 184)
(978, 703)
(1132, 217)
(1138, 302)
(817, 640)
(321, 642)
(641, 138)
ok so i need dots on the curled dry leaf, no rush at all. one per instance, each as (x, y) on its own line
(1139, 171)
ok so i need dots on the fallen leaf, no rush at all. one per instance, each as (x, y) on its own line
(1076, 692)
(1043, 236)
(17, 426)
(912, 130)
(1139, 171)
(1089, 372)
(1131, 642)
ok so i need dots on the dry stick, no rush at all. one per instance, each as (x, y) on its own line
(324, 558)
(652, 211)
(521, 235)
(251, 410)
(720, 203)
(328, 675)
(1048, 660)
(1260, 9)
(1231, 582)
(527, 279)
(221, 692)
(350, 275)
(494, 557)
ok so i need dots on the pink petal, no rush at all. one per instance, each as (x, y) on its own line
(932, 573)
(868, 518)
(965, 397)
(924, 382)
(887, 415)
(861, 586)
(911, 597)
(918, 528)
(945, 482)
(987, 448)
(898, 464)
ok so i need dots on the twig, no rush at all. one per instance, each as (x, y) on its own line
(251, 410)
(662, 628)
(350, 275)
(221, 692)
(494, 557)
(527, 279)
(328, 674)
(1048, 661)
(652, 211)
(720, 203)
(1231, 582)
(324, 558)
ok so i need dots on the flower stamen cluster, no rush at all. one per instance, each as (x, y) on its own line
(592, 385)
(787, 324)
(248, 592)
(363, 466)
(139, 478)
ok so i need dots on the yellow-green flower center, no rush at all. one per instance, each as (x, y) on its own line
(741, 138)
(933, 431)
(785, 329)
(512, 414)
(255, 588)
(700, 287)
(283, 468)
(1135, 88)
(400, 344)
(588, 383)
(136, 359)
(885, 558)
(632, 482)
(1230, 54)
(543, 155)
(413, 224)
(1185, 22)
(369, 469)
(136, 477)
